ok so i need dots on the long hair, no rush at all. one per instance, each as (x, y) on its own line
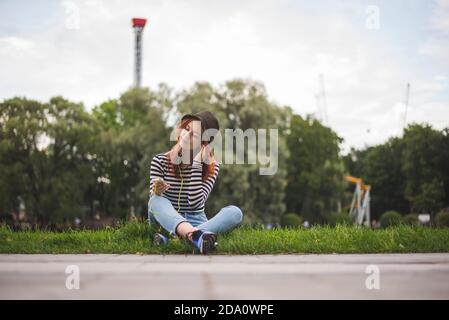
(207, 169)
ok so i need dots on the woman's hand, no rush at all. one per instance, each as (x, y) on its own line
(206, 155)
(173, 154)
(160, 186)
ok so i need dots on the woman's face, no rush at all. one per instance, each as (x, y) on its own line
(190, 135)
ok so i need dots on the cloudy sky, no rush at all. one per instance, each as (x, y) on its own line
(367, 51)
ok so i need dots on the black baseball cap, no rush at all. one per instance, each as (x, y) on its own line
(208, 121)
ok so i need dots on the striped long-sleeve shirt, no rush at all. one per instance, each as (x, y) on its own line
(194, 191)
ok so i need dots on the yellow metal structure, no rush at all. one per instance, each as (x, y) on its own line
(360, 205)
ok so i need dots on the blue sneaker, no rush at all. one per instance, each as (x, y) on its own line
(205, 241)
(160, 239)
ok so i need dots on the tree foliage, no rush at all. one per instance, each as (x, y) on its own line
(315, 170)
(407, 174)
(59, 161)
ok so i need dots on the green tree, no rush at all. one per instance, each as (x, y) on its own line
(382, 170)
(22, 126)
(133, 130)
(315, 170)
(47, 147)
(407, 174)
(422, 166)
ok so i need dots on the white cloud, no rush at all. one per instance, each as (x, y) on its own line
(437, 45)
(282, 44)
(14, 45)
(440, 16)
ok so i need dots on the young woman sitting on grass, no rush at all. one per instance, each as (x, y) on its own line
(180, 186)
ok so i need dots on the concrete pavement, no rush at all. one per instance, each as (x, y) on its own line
(400, 276)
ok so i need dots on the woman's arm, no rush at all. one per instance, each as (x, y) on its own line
(199, 190)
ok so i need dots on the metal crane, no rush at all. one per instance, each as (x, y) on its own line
(321, 101)
(407, 97)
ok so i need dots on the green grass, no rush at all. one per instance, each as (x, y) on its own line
(134, 238)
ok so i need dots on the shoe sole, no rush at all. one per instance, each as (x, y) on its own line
(209, 243)
(158, 240)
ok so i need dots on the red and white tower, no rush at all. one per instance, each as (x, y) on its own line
(138, 25)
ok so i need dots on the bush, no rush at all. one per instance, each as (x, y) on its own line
(390, 219)
(291, 220)
(411, 219)
(339, 218)
(442, 219)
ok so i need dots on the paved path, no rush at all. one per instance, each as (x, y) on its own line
(226, 277)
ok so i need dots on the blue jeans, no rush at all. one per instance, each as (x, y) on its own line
(161, 210)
